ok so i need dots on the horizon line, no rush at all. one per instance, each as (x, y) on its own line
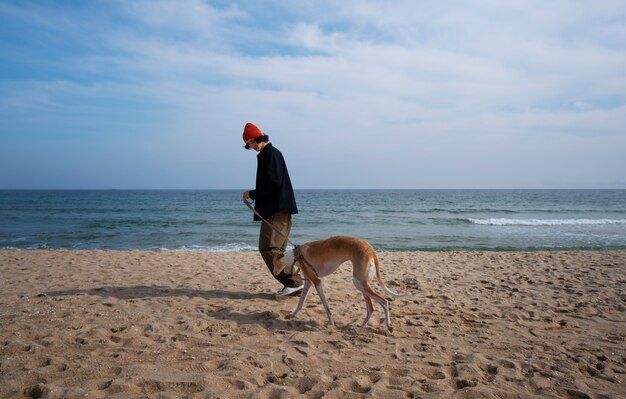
(312, 189)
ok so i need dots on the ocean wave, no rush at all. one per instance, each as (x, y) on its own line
(468, 210)
(545, 222)
(30, 247)
(521, 209)
(228, 247)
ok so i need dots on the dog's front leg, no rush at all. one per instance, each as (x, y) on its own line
(320, 292)
(305, 292)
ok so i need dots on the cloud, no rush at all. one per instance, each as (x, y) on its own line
(187, 15)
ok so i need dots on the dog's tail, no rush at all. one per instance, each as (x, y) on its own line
(380, 279)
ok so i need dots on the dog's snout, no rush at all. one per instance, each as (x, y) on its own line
(278, 267)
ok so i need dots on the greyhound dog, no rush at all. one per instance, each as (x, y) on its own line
(321, 258)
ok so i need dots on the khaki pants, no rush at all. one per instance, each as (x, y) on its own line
(272, 244)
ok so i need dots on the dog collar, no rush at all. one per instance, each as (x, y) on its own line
(299, 258)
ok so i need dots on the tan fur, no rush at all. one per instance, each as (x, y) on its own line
(325, 256)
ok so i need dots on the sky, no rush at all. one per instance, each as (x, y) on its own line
(355, 94)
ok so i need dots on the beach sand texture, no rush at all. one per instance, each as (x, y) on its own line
(135, 324)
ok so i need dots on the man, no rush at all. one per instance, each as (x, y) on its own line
(275, 201)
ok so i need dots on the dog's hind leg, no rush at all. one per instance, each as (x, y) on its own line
(369, 308)
(369, 294)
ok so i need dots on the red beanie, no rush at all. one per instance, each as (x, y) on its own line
(250, 132)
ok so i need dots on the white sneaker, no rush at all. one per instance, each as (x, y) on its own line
(286, 291)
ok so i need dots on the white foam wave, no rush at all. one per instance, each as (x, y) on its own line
(545, 222)
(230, 247)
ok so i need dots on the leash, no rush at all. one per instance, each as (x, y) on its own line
(249, 205)
(298, 256)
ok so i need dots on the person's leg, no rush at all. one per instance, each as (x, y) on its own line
(272, 244)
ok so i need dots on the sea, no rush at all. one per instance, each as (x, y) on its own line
(391, 220)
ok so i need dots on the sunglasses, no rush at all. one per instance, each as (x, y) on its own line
(247, 145)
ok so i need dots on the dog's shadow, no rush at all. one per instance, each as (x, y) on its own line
(269, 319)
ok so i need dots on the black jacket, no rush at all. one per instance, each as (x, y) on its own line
(273, 190)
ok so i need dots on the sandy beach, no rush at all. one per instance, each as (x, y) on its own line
(135, 324)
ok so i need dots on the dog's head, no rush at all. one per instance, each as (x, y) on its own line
(283, 261)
